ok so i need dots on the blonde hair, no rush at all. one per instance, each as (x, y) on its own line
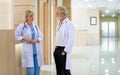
(63, 9)
(27, 13)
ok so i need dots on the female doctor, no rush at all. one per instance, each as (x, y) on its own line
(31, 37)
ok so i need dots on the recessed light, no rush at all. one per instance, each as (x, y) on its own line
(119, 71)
(119, 11)
(113, 15)
(106, 74)
(107, 11)
(86, 0)
(106, 70)
(113, 62)
(113, 58)
(89, 5)
(102, 62)
(102, 58)
(110, 0)
(103, 15)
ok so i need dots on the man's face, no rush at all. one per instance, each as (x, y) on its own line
(59, 14)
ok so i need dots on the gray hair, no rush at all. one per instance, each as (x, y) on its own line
(63, 9)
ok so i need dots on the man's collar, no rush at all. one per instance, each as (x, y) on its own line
(65, 20)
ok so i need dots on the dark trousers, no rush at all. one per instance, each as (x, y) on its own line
(60, 61)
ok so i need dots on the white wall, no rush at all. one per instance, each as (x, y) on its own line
(5, 14)
(81, 17)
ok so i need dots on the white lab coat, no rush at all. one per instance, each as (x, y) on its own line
(23, 30)
(68, 32)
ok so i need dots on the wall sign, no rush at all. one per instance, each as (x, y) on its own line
(93, 20)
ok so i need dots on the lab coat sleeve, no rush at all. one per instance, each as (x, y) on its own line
(70, 42)
(40, 35)
(18, 33)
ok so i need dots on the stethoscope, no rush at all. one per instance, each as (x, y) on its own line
(25, 27)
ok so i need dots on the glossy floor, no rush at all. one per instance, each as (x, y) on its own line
(93, 60)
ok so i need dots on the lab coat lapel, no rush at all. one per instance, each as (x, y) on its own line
(64, 28)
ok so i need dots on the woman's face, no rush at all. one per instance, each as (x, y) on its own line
(30, 18)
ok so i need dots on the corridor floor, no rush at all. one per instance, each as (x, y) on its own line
(93, 60)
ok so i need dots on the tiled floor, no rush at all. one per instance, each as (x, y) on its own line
(93, 60)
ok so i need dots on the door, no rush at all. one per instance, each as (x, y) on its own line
(104, 29)
(108, 29)
(111, 29)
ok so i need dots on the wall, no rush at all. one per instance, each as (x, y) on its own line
(7, 53)
(81, 17)
(5, 14)
(19, 7)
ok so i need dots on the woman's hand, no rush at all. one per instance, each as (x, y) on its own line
(34, 41)
(30, 41)
(27, 40)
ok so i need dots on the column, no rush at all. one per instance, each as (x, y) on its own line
(67, 4)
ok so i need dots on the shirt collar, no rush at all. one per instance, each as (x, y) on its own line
(26, 24)
(65, 20)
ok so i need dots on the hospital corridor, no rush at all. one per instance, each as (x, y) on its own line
(59, 37)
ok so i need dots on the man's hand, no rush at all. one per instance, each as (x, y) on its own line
(63, 52)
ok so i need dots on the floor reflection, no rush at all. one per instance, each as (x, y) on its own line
(93, 60)
(110, 56)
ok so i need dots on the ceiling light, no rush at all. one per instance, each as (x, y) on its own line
(119, 11)
(102, 62)
(86, 0)
(110, 0)
(119, 71)
(113, 15)
(106, 74)
(112, 58)
(103, 15)
(113, 62)
(106, 70)
(107, 11)
(89, 5)
(102, 59)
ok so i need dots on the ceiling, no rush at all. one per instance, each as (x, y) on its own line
(106, 7)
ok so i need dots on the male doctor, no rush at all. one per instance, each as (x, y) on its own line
(64, 42)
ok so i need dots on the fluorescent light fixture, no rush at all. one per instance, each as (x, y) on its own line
(103, 15)
(110, 0)
(107, 11)
(89, 5)
(86, 0)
